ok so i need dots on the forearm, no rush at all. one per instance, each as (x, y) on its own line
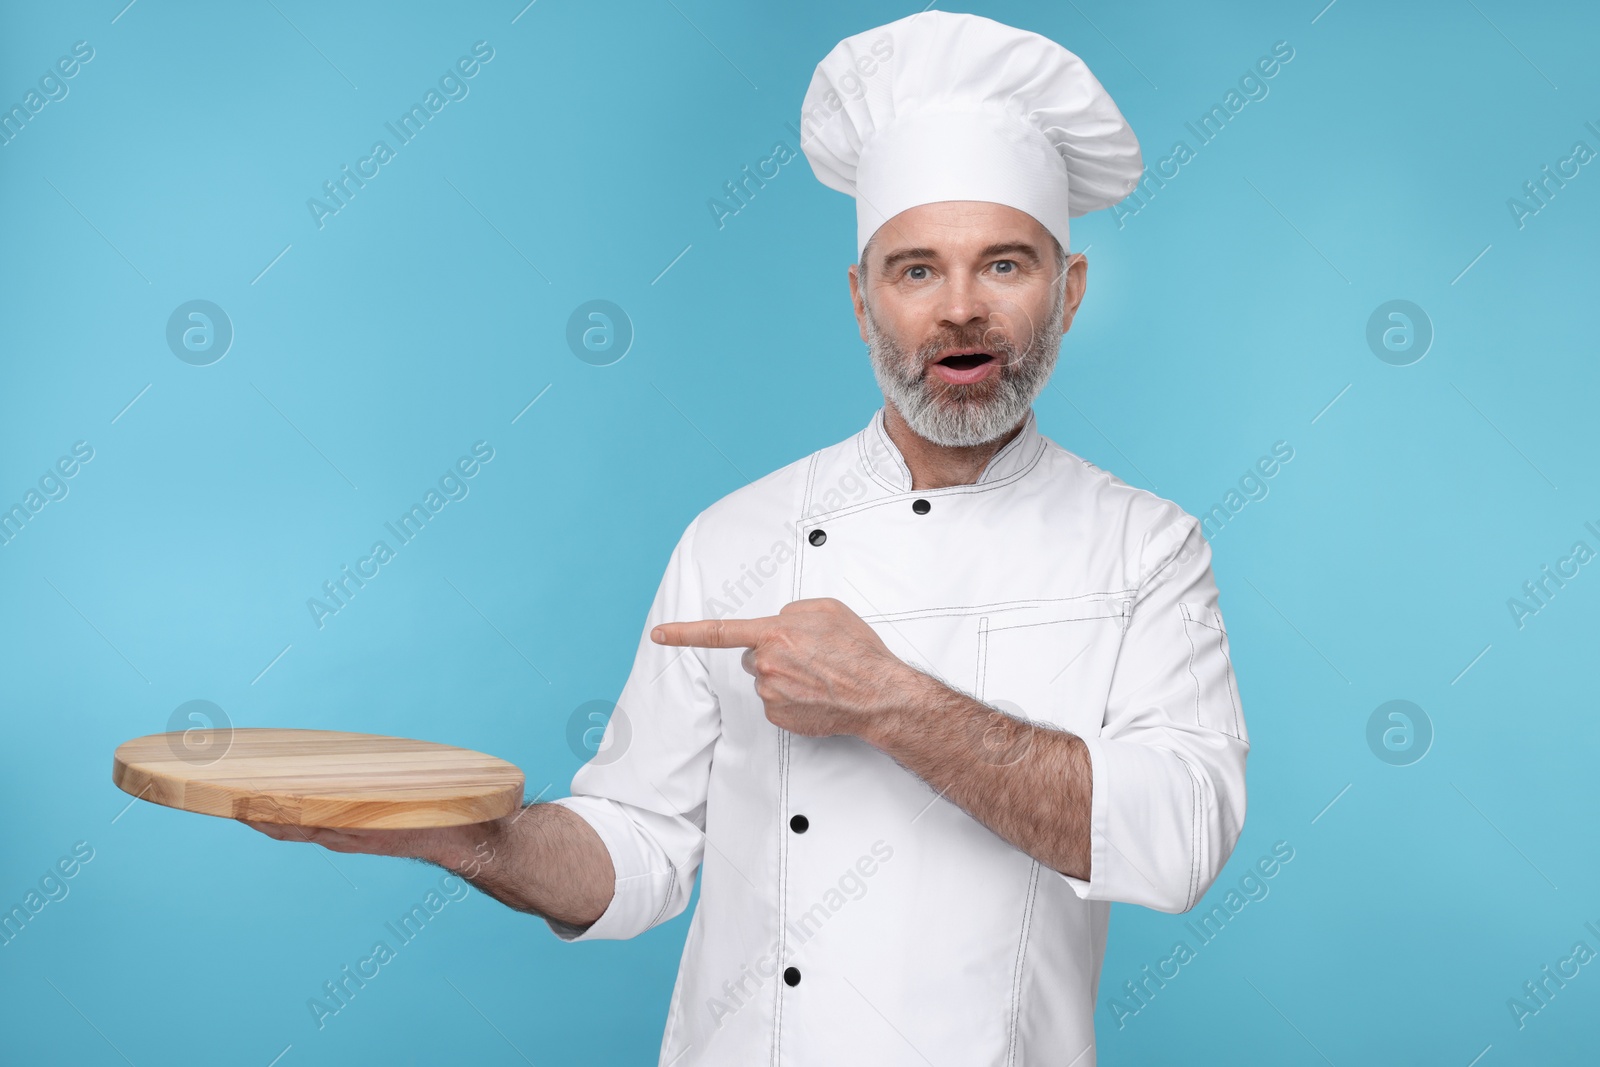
(1029, 784)
(545, 859)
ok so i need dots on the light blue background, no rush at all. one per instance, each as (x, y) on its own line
(1223, 317)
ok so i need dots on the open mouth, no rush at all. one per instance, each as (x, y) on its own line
(965, 367)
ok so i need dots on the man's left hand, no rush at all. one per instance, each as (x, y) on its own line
(819, 669)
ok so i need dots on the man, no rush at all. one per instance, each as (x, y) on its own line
(921, 705)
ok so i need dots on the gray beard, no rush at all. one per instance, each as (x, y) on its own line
(960, 416)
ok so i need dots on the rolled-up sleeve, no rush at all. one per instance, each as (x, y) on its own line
(644, 790)
(1168, 792)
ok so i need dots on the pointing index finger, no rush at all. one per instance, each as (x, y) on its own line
(714, 633)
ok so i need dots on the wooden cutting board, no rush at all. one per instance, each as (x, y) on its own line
(321, 778)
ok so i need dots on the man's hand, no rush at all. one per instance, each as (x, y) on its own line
(819, 669)
(544, 859)
(436, 845)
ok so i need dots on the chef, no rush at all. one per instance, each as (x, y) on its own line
(919, 706)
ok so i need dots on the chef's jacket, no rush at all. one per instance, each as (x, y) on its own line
(848, 913)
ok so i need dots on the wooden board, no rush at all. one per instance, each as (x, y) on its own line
(321, 778)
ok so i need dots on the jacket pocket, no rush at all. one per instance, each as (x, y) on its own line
(1216, 694)
(1051, 662)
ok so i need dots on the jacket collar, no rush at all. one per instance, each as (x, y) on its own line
(884, 460)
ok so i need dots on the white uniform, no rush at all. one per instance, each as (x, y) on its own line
(848, 914)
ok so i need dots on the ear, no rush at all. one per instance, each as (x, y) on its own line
(1075, 283)
(857, 283)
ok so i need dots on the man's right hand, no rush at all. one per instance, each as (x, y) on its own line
(544, 859)
(436, 845)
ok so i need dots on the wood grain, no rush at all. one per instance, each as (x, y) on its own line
(320, 778)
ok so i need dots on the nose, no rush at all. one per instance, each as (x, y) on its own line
(964, 303)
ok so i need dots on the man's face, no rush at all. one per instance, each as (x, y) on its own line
(962, 309)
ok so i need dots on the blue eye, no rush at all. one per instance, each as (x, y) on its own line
(911, 273)
(1011, 264)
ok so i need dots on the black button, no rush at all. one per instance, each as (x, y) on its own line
(817, 537)
(799, 824)
(791, 975)
(921, 507)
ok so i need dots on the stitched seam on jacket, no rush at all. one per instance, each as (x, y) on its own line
(1194, 837)
(875, 429)
(783, 890)
(983, 657)
(1022, 953)
(783, 786)
(1184, 608)
(947, 610)
(1033, 871)
(1056, 622)
(1227, 665)
(868, 465)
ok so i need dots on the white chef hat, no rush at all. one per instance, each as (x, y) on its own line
(940, 106)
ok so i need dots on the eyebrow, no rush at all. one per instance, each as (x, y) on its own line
(1021, 248)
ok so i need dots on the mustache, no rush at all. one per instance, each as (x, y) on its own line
(990, 339)
(1011, 356)
(998, 338)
